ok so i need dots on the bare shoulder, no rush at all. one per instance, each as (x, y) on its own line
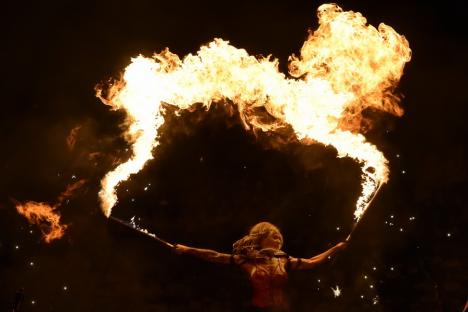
(243, 262)
(298, 263)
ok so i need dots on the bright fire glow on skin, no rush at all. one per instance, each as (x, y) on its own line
(344, 67)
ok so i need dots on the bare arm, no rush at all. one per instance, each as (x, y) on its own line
(205, 254)
(307, 264)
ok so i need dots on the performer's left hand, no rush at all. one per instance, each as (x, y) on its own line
(341, 245)
(180, 249)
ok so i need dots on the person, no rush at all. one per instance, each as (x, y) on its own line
(259, 254)
(19, 297)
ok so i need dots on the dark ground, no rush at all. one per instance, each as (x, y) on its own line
(211, 180)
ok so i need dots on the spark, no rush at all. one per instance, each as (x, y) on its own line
(337, 291)
(33, 301)
(362, 296)
(392, 268)
(403, 171)
(371, 286)
(374, 268)
(16, 247)
(401, 229)
(398, 155)
(365, 276)
(337, 228)
(449, 234)
(65, 288)
(412, 218)
(31, 263)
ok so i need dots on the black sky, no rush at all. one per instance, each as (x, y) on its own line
(211, 180)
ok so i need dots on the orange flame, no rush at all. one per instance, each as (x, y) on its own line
(45, 216)
(345, 66)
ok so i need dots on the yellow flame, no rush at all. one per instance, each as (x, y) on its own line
(345, 66)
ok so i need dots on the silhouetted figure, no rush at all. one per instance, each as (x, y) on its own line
(19, 297)
(259, 255)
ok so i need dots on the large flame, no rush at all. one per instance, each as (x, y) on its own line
(45, 216)
(345, 66)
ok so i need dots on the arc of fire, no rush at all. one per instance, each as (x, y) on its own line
(345, 67)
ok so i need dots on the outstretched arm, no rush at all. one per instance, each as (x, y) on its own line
(306, 264)
(205, 254)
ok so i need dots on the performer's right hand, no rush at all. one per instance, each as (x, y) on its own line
(341, 245)
(180, 249)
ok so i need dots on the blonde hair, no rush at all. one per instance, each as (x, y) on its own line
(250, 244)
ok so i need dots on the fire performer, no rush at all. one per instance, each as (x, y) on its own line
(259, 254)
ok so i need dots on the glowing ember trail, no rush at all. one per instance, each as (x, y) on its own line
(344, 67)
(45, 216)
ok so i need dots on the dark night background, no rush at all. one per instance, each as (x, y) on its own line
(211, 180)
